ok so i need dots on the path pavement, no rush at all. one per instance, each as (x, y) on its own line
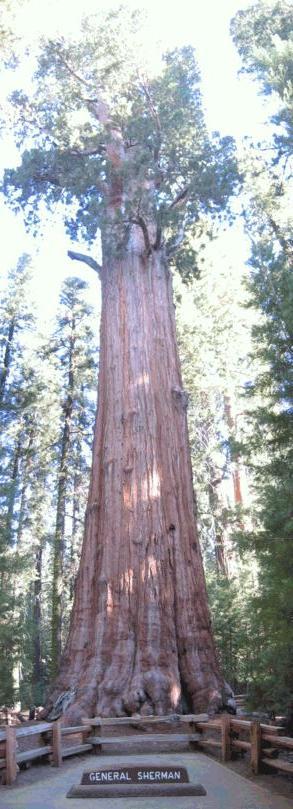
(225, 789)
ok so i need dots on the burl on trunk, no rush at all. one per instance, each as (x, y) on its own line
(140, 638)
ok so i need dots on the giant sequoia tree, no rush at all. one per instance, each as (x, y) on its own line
(134, 157)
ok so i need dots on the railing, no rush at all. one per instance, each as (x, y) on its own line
(263, 742)
(50, 748)
(226, 734)
(177, 728)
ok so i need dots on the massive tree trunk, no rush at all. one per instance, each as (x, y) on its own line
(140, 638)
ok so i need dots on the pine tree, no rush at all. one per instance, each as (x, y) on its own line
(263, 35)
(73, 349)
(14, 318)
(214, 336)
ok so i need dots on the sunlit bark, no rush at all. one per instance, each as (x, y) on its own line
(140, 636)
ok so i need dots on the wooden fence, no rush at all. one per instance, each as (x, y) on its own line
(263, 742)
(226, 734)
(49, 745)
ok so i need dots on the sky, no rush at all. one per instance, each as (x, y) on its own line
(232, 106)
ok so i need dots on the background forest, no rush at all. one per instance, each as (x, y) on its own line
(235, 324)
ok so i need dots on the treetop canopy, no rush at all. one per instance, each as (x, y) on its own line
(91, 98)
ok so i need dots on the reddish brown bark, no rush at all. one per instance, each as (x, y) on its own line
(140, 636)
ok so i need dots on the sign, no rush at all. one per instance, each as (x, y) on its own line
(136, 775)
(144, 781)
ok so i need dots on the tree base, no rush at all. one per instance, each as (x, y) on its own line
(72, 709)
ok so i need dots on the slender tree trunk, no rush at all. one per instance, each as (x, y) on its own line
(140, 636)
(58, 556)
(13, 491)
(25, 482)
(6, 359)
(37, 616)
(74, 527)
(236, 471)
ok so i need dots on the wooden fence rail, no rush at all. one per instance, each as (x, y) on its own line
(225, 734)
(55, 751)
(257, 737)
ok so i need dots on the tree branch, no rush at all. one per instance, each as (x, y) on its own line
(285, 243)
(156, 118)
(178, 241)
(86, 260)
(86, 152)
(73, 73)
(140, 221)
(181, 198)
(98, 106)
(46, 178)
(158, 239)
(100, 110)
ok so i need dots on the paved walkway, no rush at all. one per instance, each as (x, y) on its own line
(225, 789)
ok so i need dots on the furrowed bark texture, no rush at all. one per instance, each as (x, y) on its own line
(140, 637)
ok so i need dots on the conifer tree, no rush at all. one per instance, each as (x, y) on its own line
(134, 155)
(263, 35)
(73, 348)
(34, 409)
(15, 445)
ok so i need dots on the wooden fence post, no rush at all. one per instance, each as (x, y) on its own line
(56, 744)
(11, 765)
(255, 740)
(192, 730)
(85, 733)
(88, 731)
(226, 738)
(97, 728)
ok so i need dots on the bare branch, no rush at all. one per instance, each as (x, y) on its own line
(178, 241)
(45, 177)
(73, 73)
(156, 118)
(86, 152)
(86, 260)
(181, 198)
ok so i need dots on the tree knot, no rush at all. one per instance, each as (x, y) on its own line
(180, 397)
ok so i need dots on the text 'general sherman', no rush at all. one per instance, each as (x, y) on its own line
(134, 775)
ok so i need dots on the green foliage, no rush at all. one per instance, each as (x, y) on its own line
(33, 394)
(263, 35)
(73, 347)
(9, 42)
(233, 604)
(214, 335)
(269, 453)
(173, 176)
(15, 405)
(159, 121)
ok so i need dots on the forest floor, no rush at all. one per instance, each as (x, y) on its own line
(45, 787)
